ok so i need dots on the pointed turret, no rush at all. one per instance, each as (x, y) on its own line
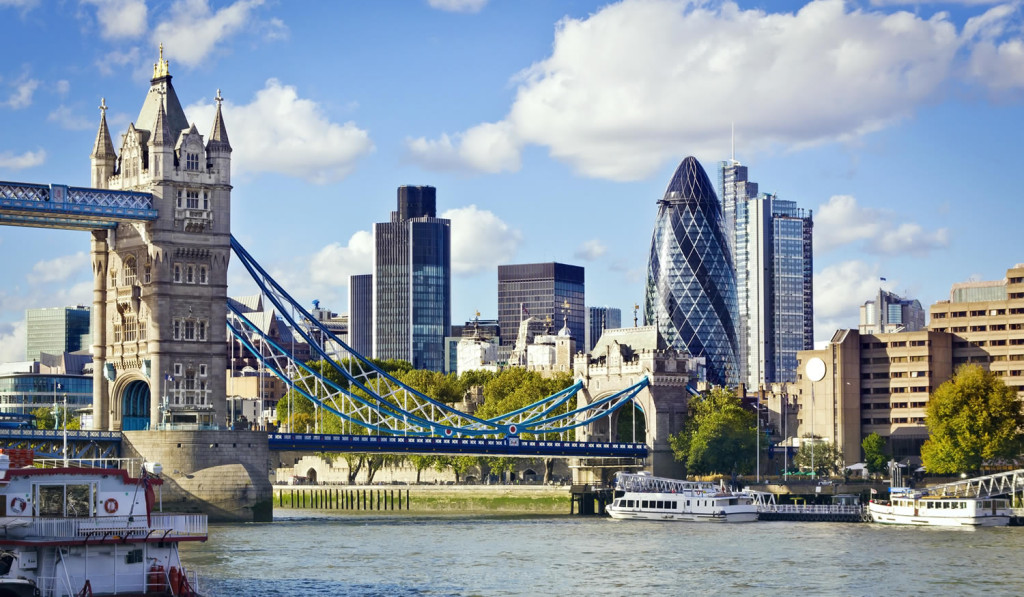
(103, 157)
(218, 148)
(161, 145)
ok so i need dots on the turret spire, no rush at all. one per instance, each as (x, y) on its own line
(219, 134)
(162, 67)
(103, 147)
(161, 131)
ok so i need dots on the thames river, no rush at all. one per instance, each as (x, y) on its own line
(301, 554)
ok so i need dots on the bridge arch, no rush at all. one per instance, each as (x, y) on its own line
(133, 397)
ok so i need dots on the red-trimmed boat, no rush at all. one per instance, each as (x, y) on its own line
(89, 532)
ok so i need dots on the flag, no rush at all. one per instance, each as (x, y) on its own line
(874, 491)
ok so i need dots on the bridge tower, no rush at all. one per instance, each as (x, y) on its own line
(160, 287)
(621, 358)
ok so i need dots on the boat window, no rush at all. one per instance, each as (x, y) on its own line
(64, 500)
(674, 507)
(644, 503)
(133, 557)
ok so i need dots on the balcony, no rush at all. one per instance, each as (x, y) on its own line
(173, 526)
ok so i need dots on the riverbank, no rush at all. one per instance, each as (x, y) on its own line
(426, 499)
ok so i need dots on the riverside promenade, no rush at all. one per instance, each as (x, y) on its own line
(426, 499)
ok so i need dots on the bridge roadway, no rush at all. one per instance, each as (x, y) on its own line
(82, 444)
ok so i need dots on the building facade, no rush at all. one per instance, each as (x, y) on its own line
(412, 281)
(771, 242)
(550, 293)
(160, 294)
(600, 319)
(881, 383)
(360, 314)
(56, 330)
(691, 286)
(889, 313)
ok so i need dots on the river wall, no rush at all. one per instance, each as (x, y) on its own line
(426, 499)
(223, 474)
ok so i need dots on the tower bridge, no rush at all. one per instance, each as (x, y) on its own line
(158, 211)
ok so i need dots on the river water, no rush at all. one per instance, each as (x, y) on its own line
(301, 554)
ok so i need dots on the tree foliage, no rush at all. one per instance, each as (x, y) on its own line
(46, 418)
(875, 456)
(972, 418)
(819, 456)
(720, 436)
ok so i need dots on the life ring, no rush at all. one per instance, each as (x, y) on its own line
(110, 505)
(18, 505)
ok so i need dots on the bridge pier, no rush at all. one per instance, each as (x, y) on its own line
(223, 474)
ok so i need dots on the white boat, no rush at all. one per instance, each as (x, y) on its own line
(656, 498)
(916, 508)
(88, 531)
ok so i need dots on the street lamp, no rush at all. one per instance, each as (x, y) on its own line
(815, 371)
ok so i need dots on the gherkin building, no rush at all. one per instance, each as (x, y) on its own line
(691, 285)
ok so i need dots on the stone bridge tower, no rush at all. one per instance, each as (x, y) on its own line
(621, 358)
(160, 289)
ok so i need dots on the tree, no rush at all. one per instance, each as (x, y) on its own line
(720, 436)
(422, 462)
(46, 418)
(875, 455)
(826, 457)
(972, 418)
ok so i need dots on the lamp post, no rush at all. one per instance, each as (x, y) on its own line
(815, 371)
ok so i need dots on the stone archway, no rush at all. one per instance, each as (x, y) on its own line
(311, 476)
(630, 424)
(135, 406)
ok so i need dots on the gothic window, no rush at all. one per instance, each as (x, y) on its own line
(130, 271)
(177, 329)
(190, 274)
(179, 198)
(202, 370)
(131, 326)
(203, 275)
(190, 329)
(192, 199)
(177, 273)
(206, 200)
(117, 331)
(147, 274)
(177, 369)
(191, 161)
(201, 330)
(177, 391)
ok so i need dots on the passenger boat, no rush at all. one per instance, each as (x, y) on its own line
(90, 532)
(645, 497)
(908, 507)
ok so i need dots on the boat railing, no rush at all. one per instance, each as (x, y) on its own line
(811, 508)
(162, 525)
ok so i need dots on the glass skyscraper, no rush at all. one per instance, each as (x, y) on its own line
(691, 286)
(772, 253)
(600, 319)
(412, 281)
(550, 292)
(56, 330)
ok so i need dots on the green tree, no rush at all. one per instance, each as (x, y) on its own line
(820, 456)
(47, 419)
(422, 462)
(720, 436)
(875, 455)
(972, 418)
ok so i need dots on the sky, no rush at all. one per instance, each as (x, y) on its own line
(550, 129)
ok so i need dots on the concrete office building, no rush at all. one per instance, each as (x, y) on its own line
(889, 313)
(882, 382)
(550, 293)
(412, 281)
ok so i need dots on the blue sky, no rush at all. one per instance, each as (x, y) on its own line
(550, 129)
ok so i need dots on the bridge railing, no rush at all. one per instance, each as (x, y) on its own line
(811, 509)
(82, 201)
(163, 525)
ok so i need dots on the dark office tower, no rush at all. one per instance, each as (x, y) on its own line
(547, 292)
(412, 281)
(600, 319)
(56, 330)
(360, 314)
(691, 288)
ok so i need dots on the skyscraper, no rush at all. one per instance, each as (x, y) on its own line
(56, 330)
(772, 255)
(600, 319)
(549, 292)
(360, 313)
(691, 286)
(412, 281)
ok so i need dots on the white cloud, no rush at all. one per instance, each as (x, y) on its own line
(13, 340)
(120, 18)
(25, 5)
(63, 116)
(590, 250)
(843, 221)
(194, 30)
(117, 58)
(21, 97)
(839, 290)
(458, 5)
(59, 269)
(480, 240)
(487, 147)
(333, 264)
(29, 159)
(641, 82)
(281, 132)
(63, 86)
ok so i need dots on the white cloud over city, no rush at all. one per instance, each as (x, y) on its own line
(194, 30)
(120, 19)
(20, 161)
(642, 82)
(590, 250)
(839, 290)
(278, 131)
(844, 221)
(469, 6)
(480, 240)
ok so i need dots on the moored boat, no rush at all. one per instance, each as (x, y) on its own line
(916, 508)
(87, 531)
(645, 497)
